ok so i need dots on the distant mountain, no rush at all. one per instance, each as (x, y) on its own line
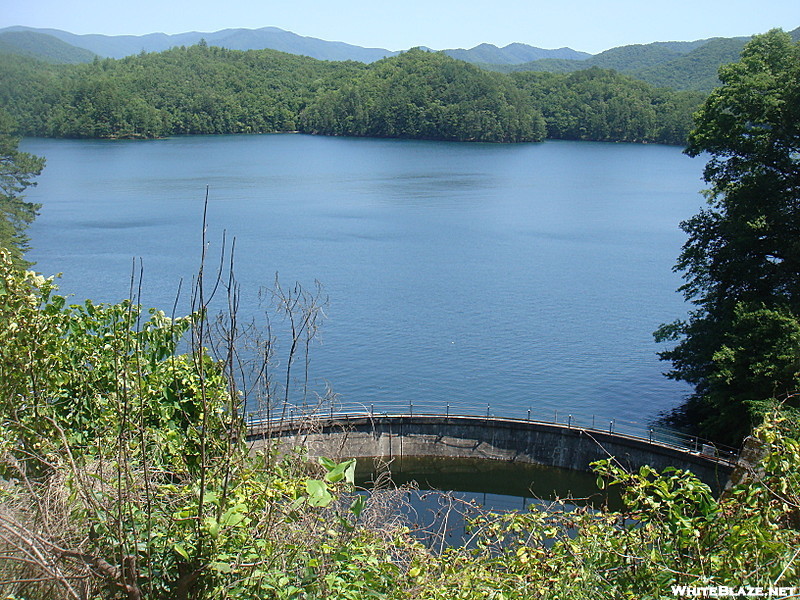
(513, 54)
(119, 46)
(678, 65)
(43, 47)
(696, 70)
(621, 58)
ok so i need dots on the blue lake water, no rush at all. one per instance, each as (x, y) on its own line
(520, 277)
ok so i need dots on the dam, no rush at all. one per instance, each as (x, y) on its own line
(573, 444)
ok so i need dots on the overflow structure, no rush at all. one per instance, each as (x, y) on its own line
(564, 441)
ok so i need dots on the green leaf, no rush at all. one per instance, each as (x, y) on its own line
(357, 507)
(344, 470)
(318, 494)
(212, 526)
(327, 463)
(233, 516)
(178, 547)
(221, 567)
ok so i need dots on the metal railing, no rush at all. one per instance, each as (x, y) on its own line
(300, 415)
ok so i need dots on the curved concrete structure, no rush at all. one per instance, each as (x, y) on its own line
(481, 437)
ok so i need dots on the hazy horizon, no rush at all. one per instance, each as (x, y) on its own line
(581, 25)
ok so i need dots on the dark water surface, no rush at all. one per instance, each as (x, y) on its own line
(518, 276)
(475, 486)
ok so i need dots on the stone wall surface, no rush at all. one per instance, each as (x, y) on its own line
(487, 438)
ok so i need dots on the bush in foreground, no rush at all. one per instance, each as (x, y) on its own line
(125, 474)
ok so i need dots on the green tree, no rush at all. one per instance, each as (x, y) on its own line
(741, 262)
(17, 170)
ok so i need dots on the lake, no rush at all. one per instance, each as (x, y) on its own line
(489, 277)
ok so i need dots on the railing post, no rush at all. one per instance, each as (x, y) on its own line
(611, 426)
(448, 410)
(592, 421)
(651, 435)
(569, 422)
(371, 411)
(529, 414)
(487, 410)
(555, 416)
(410, 409)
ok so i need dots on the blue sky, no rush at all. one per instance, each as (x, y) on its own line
(588, 25)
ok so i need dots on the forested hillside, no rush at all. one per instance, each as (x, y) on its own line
(603, 105)
(677, 65)
(199, 89)
(426, 95)
(43, 47)
(513, 54)
(204, 89)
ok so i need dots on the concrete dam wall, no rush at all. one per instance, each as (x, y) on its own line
(487, 438)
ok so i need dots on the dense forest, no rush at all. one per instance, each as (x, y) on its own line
(603, 105)
(205, 89)
(675, 65)
(425, 95)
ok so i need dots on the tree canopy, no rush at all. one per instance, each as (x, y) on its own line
(205, 89)
(17, 171)
(740, 347)
(603, 105)
(426, 95)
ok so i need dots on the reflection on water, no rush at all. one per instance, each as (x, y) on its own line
(444, 494)
(527, 276)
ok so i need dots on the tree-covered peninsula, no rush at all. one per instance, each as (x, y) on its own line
(424, 95)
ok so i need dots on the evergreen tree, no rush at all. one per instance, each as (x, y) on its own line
(17, 170)
(740, 348)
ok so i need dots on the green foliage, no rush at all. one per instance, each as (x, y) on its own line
(696, 70)
(17, 170)
(125, 475)
(684, 66)
(425, 95)
(195, 90)
(76, 374)
(672, 532)
(43, 47)
(125, 472)
(418, 94)
(739, 348)
(602, 105)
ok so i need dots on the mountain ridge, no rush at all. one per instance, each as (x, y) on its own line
(43, 47)
(275, 38)
(681, 65)
(691, 66)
